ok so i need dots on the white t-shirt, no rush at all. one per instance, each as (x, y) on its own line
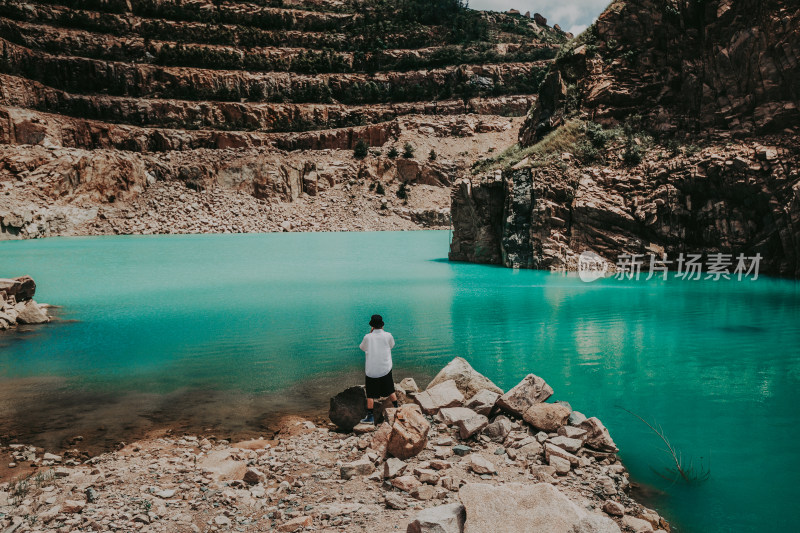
(378, 346)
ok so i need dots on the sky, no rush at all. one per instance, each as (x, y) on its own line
(572, 15)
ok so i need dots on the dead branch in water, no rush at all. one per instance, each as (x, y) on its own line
(682, 470)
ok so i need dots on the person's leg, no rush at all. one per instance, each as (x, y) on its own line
(392, 397)
(370, 418)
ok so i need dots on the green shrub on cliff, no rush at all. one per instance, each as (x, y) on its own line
(360, 150)
(408, 150)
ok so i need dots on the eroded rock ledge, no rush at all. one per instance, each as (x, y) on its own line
(729, 197)
(460, 456)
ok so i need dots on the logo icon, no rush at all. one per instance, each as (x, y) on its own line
(591, 266)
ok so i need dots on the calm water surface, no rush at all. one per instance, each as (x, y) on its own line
(226, 331)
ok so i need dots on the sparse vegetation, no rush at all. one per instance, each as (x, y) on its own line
(360, 150)
(563, 139)
(379, 189)
(684, 469)
(402, 191)
(408, 150)
(393, 153)
(432, 155)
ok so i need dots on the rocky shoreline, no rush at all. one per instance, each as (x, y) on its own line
(459, 456)
(17, 306)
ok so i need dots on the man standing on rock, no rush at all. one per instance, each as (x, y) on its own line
(378, 346)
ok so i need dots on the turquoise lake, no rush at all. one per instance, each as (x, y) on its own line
(226, 331)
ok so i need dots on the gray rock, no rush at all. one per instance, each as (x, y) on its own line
(393, 467)
(461, 450)
(499, 429)
(576, 418)
(28, 312)
(552, 449)
(395, 501)
(523, 508)
(613, 508)
(597, 436)
(452, 415)
(571, 445)
(481, 465)
(362, 467)
(483, 401)
(572, 432)
(531, 390)
(546, 416)
(444, 394)
(471, 426)
(561, 465)
(467, 379)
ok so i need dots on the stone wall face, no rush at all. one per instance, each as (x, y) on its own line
(714, 77)
(477, 212)
(729, 202)
(683, 65)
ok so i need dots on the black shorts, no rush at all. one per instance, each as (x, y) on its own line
(380, 387)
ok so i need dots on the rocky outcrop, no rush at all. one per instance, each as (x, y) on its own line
(703, 100)
(732, 197)
(469, 381)
(518, 479)
(17, 306)
(125, 96)
(683, 65)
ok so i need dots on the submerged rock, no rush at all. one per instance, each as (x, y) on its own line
(348, 408)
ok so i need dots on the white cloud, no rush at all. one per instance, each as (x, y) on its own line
(577, 29)
(575, 15)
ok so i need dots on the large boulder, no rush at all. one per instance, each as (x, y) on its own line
(597, 436)
(467, 379)
(22, 288)
(531, 390)
(483, 401)
(547, 416)
(442, 519)
(29, 312)
(444, 394)
(348, 408)
(524, 508)
(409, 432)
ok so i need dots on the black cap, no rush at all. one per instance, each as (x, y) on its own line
(376, 321)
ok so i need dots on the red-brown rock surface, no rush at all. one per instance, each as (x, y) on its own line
(664, 129)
